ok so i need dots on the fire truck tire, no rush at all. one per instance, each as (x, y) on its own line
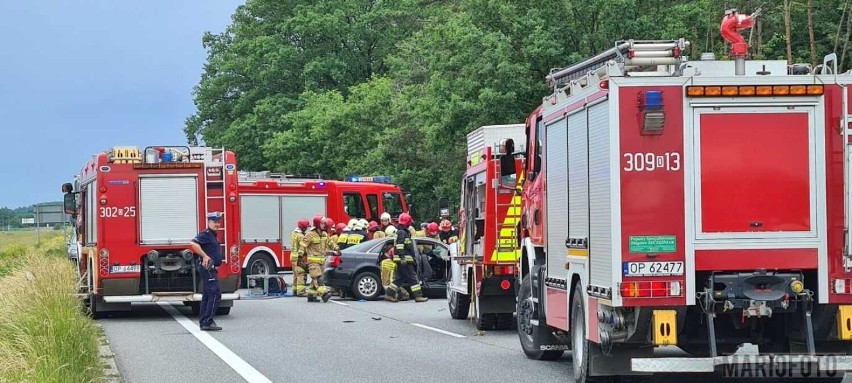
(223, 310)
(259, 263)
(533, 337)
(367, 286)
(458, 303)
(483, 321)
(93, 308)
(504, 321)
(579, 342)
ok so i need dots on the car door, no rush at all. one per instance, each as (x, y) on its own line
(434, 256)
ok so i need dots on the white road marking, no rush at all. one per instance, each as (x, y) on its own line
(233, 360)
(437, 330)
(340, 303)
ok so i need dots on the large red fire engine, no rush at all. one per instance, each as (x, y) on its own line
(484, 265)
(136, 214)
(271, 204)
(702, 204)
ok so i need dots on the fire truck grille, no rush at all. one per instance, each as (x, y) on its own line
(169, 282)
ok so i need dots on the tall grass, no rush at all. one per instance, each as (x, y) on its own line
(44, 336)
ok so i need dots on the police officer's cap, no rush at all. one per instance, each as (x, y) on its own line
(214, 216)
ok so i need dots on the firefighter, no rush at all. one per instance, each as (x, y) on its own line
(333, 234)
(387, 264)
(313, 247)
(300, 279)
(448, 235)
(344, 236)
(373, 231)
(385, 221)
(403, 256)
(432, 231)
(206, 245)
(422, 232)
(357, 235)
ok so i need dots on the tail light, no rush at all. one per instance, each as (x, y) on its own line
(651, 289)
(333, 261)
(504, 270)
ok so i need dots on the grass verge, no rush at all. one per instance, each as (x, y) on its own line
(44, 336)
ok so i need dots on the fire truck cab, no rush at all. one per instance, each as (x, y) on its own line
(484, 261)
(272, 204)
(135, 214)
(700, 204)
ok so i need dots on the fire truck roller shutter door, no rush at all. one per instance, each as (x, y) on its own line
(260, 217)
(556, 168)
(600, 201)
(168, 208)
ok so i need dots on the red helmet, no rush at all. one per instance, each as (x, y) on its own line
(432, 228)
(329, 223)
(446, 225)
(318, 220)
(303, 224)
(340, 227)
(373, 226)
(405, 219)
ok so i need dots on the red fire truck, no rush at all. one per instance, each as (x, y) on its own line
(136, 213)
(483, 264)
(271, 204)
(701, 204)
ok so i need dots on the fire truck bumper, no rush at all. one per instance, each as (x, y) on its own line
(829, 363)
(164, 297)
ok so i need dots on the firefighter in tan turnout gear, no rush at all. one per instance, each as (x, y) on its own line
(406, 273)
(313, 247)
(299, 277)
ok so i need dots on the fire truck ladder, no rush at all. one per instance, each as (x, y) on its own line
(627, 55)
(214, 158)
(505, 230)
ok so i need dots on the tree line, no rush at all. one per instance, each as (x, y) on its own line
(372, 87)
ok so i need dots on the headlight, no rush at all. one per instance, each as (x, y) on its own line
(153, 255)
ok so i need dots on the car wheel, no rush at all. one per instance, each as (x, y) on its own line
(458, 303)
(366, 286)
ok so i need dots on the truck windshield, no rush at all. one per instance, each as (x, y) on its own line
(393, 203)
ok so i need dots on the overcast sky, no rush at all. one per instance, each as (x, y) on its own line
(78, 77)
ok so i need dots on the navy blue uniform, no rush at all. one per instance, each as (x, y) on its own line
(211, 293)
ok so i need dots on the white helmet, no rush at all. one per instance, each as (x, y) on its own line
(385, 216)
(390, 231)
(363, 224)
(352, 223)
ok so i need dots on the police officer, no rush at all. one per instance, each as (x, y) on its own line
(300, 279)
(313, 247)
(406, 275)
(206, 245)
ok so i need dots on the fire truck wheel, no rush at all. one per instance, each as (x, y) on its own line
(366, 286)
(504, 321)
(223, 310)
(93, 308)
(533, 338)
(259, 263)
(459, 303)
(484, 321)
(579, 341)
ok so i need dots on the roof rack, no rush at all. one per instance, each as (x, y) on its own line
(629, 54)
(265, 175)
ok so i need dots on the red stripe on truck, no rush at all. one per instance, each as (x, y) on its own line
(752, 259)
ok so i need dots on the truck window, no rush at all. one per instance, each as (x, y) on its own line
(373, 201)
(393, 203)
(539, 130)
(354, 205)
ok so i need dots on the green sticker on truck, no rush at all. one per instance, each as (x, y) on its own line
(652, 244)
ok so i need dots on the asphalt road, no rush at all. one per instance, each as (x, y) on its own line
(289, 340)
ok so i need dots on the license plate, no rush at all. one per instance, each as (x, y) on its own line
(125, 269)
(636, 269)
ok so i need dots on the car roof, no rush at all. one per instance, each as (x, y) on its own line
(365, 247)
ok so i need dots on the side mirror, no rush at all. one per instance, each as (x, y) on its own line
(409, 199)
(70, 204)
(67, 188)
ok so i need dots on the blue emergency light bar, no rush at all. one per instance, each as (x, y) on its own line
(379, 179)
